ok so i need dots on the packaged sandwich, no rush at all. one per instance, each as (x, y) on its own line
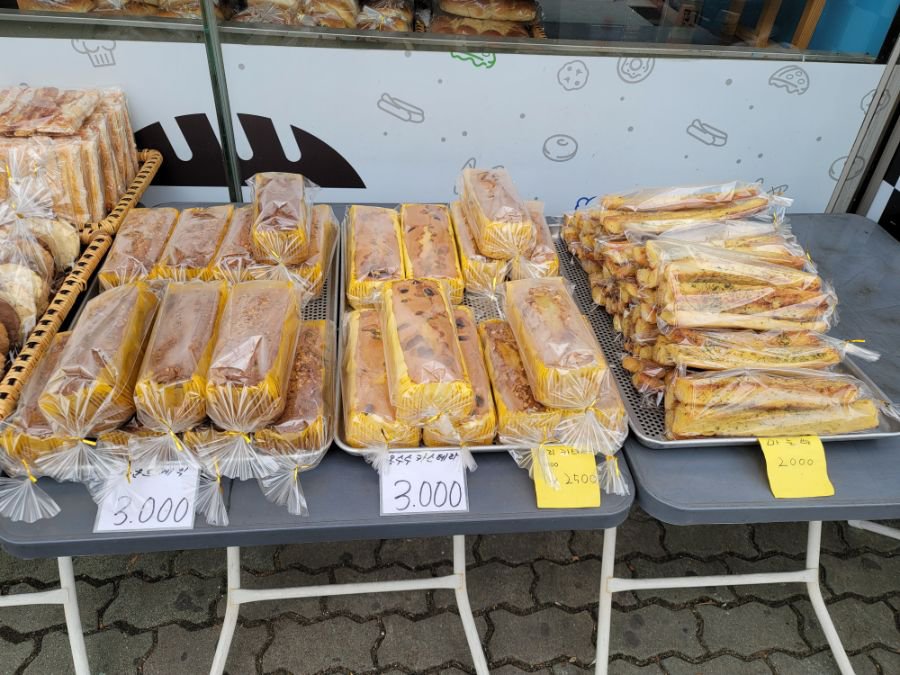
(233, 260)
(681, 197)
(483, 275)
(786, 402)
(281, 218)
(248, 376)
(540, 260)
(426, 372)
(137, 246)
(374, 253)
(565, 366)
(499, 219)
(429, 248)
(304, 424)
(92, 388)
(500, 10)
(193, 243)
(370, 419)
(323, 235)
(480, 427)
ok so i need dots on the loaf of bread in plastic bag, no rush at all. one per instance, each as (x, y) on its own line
(138, 245)
(497, 215)
(374, 253)
(193, 243)
(429, 249)
(539, 260)
(482, 275)
(233, 259)
(280, 231)
(322, 236)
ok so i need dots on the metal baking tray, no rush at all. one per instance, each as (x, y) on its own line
(648, 422)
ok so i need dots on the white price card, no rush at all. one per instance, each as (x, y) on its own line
(424, 481)
(154, 499)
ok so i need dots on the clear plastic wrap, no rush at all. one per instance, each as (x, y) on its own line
(98, 126)
(26, 275)
(498, 10)
(497, 215)
(323, 236)
(370, 419)
(565, 365)
(233, 260)
(483, 275)
(480, 427)
(786, 402)
(374, 253)
(394, 16)
(138, 246)
(461, 25)
(58, 238)
(429, 247)
(330, 13)
(681, 197)
(116, 105)
(540, 260)
(426, 372)
(21, 499)
(281, 218)
(267, 14)
(27, 111)
(193, 242)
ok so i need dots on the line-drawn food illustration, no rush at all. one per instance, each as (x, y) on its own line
(882, 102)
(837, 168)
(707, 133)
(100, 52)
(478, 59)
(793, 79)
(560, 148)
(634, 69)
(402, 110)
(573, 75)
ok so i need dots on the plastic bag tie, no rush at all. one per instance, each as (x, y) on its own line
(28, 471)
(244, 435)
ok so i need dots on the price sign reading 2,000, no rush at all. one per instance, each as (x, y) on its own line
(794, 461)
(169, 511)
(437, 495)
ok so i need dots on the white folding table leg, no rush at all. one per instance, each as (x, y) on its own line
(877, 528)
(455, 582)
(67, 596)
(813, 547)
(604, 608)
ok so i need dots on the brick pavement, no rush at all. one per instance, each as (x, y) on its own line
(534, 598)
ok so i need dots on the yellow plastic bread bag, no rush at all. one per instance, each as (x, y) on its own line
(370, 420)
(429, 249)
(233, 260)
(374, 253)
(323, 235)
(500, 222)
(193, 243)
(137, 246)
(483, 276)
(480, 427)
(92, 388)
(541, 259)
(425, 367)
(565, 366)
(281, 218)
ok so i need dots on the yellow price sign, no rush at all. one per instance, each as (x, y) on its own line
(796, 467)
(576, 476)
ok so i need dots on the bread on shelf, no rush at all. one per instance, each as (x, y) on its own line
(541, 259)
(281, 215)
(323, 234)
(497, 215)
(193, 243)
(429, 248)
(499, 10)
(483, 275)
(233, 259)
(374, 253)
(137, 247)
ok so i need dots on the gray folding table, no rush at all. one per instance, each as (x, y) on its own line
(724, 485)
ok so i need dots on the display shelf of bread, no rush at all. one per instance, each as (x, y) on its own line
(165, 9)
(378, 15)
(488, 18)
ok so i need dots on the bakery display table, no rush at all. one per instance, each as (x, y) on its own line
(726, 485)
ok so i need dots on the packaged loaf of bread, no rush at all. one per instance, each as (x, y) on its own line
(680, 197)
(233, 260)
(500, 10)
(193, 243)
(616, 221)
(374, 253)
(425, 367)
(138, 245)
(267, 14)
(460, 25)
(281, 218)
(539, 260)
(98, 126)
(113, 101)
(170, 394)
(27, 272)
(483, 275)
(386, 15)
(330, 12)
(429, 249)
(784, 402)
(306, 420)
(480, 427)
(370, 419)
(29, 111)
(323, 236)
(565, 366)
(497, 215)
(92, 388)
(248, 376)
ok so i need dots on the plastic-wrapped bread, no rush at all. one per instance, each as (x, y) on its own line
(374, 253)
(98, 126)
(58, 238)
(138, 246)
(429, 248)
(681, 197)
(480, 427)
(24, 292)
(541, 259)
(28, 111)
(565, 366)
(615, 222)
(498, 10)
(193, 243)
(305, 422)
(170, 394)
(461, 25)
(783, 402)
(483, 275)
(425, 367)
(370, 419)
(323, 234)
(115, 104)
(92, 388)
(247, 383)
(233, 259)
(281, 215)
(497, 215)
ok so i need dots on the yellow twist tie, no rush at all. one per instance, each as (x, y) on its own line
(91, 443)
(28, 471)
(296, 471)
(218, 475)
(178, 445)
(855, 340)
(615, 461)
(128, 472)
(242, 434)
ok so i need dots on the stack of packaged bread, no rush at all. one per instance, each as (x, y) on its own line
(489, 18)
(80, 141)
(167, 9)
(382, 15)
(183, 359)
(722, 312)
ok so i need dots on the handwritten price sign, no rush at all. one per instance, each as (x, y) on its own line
(160, 499)
(576, 475)
(423, 481)
(796, 467)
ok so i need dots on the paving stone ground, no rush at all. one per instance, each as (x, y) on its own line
(534, 598)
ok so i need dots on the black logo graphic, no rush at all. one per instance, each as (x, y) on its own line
(318, 161)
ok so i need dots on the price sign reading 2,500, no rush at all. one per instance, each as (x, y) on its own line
(169, 511)
(581, 478)
(438, 495)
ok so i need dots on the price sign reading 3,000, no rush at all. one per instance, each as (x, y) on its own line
(423, 482)
(159, 499)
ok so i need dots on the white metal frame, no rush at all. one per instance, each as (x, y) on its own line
(67, 596)
(455, 582)
(877, 528)
(610, 584)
